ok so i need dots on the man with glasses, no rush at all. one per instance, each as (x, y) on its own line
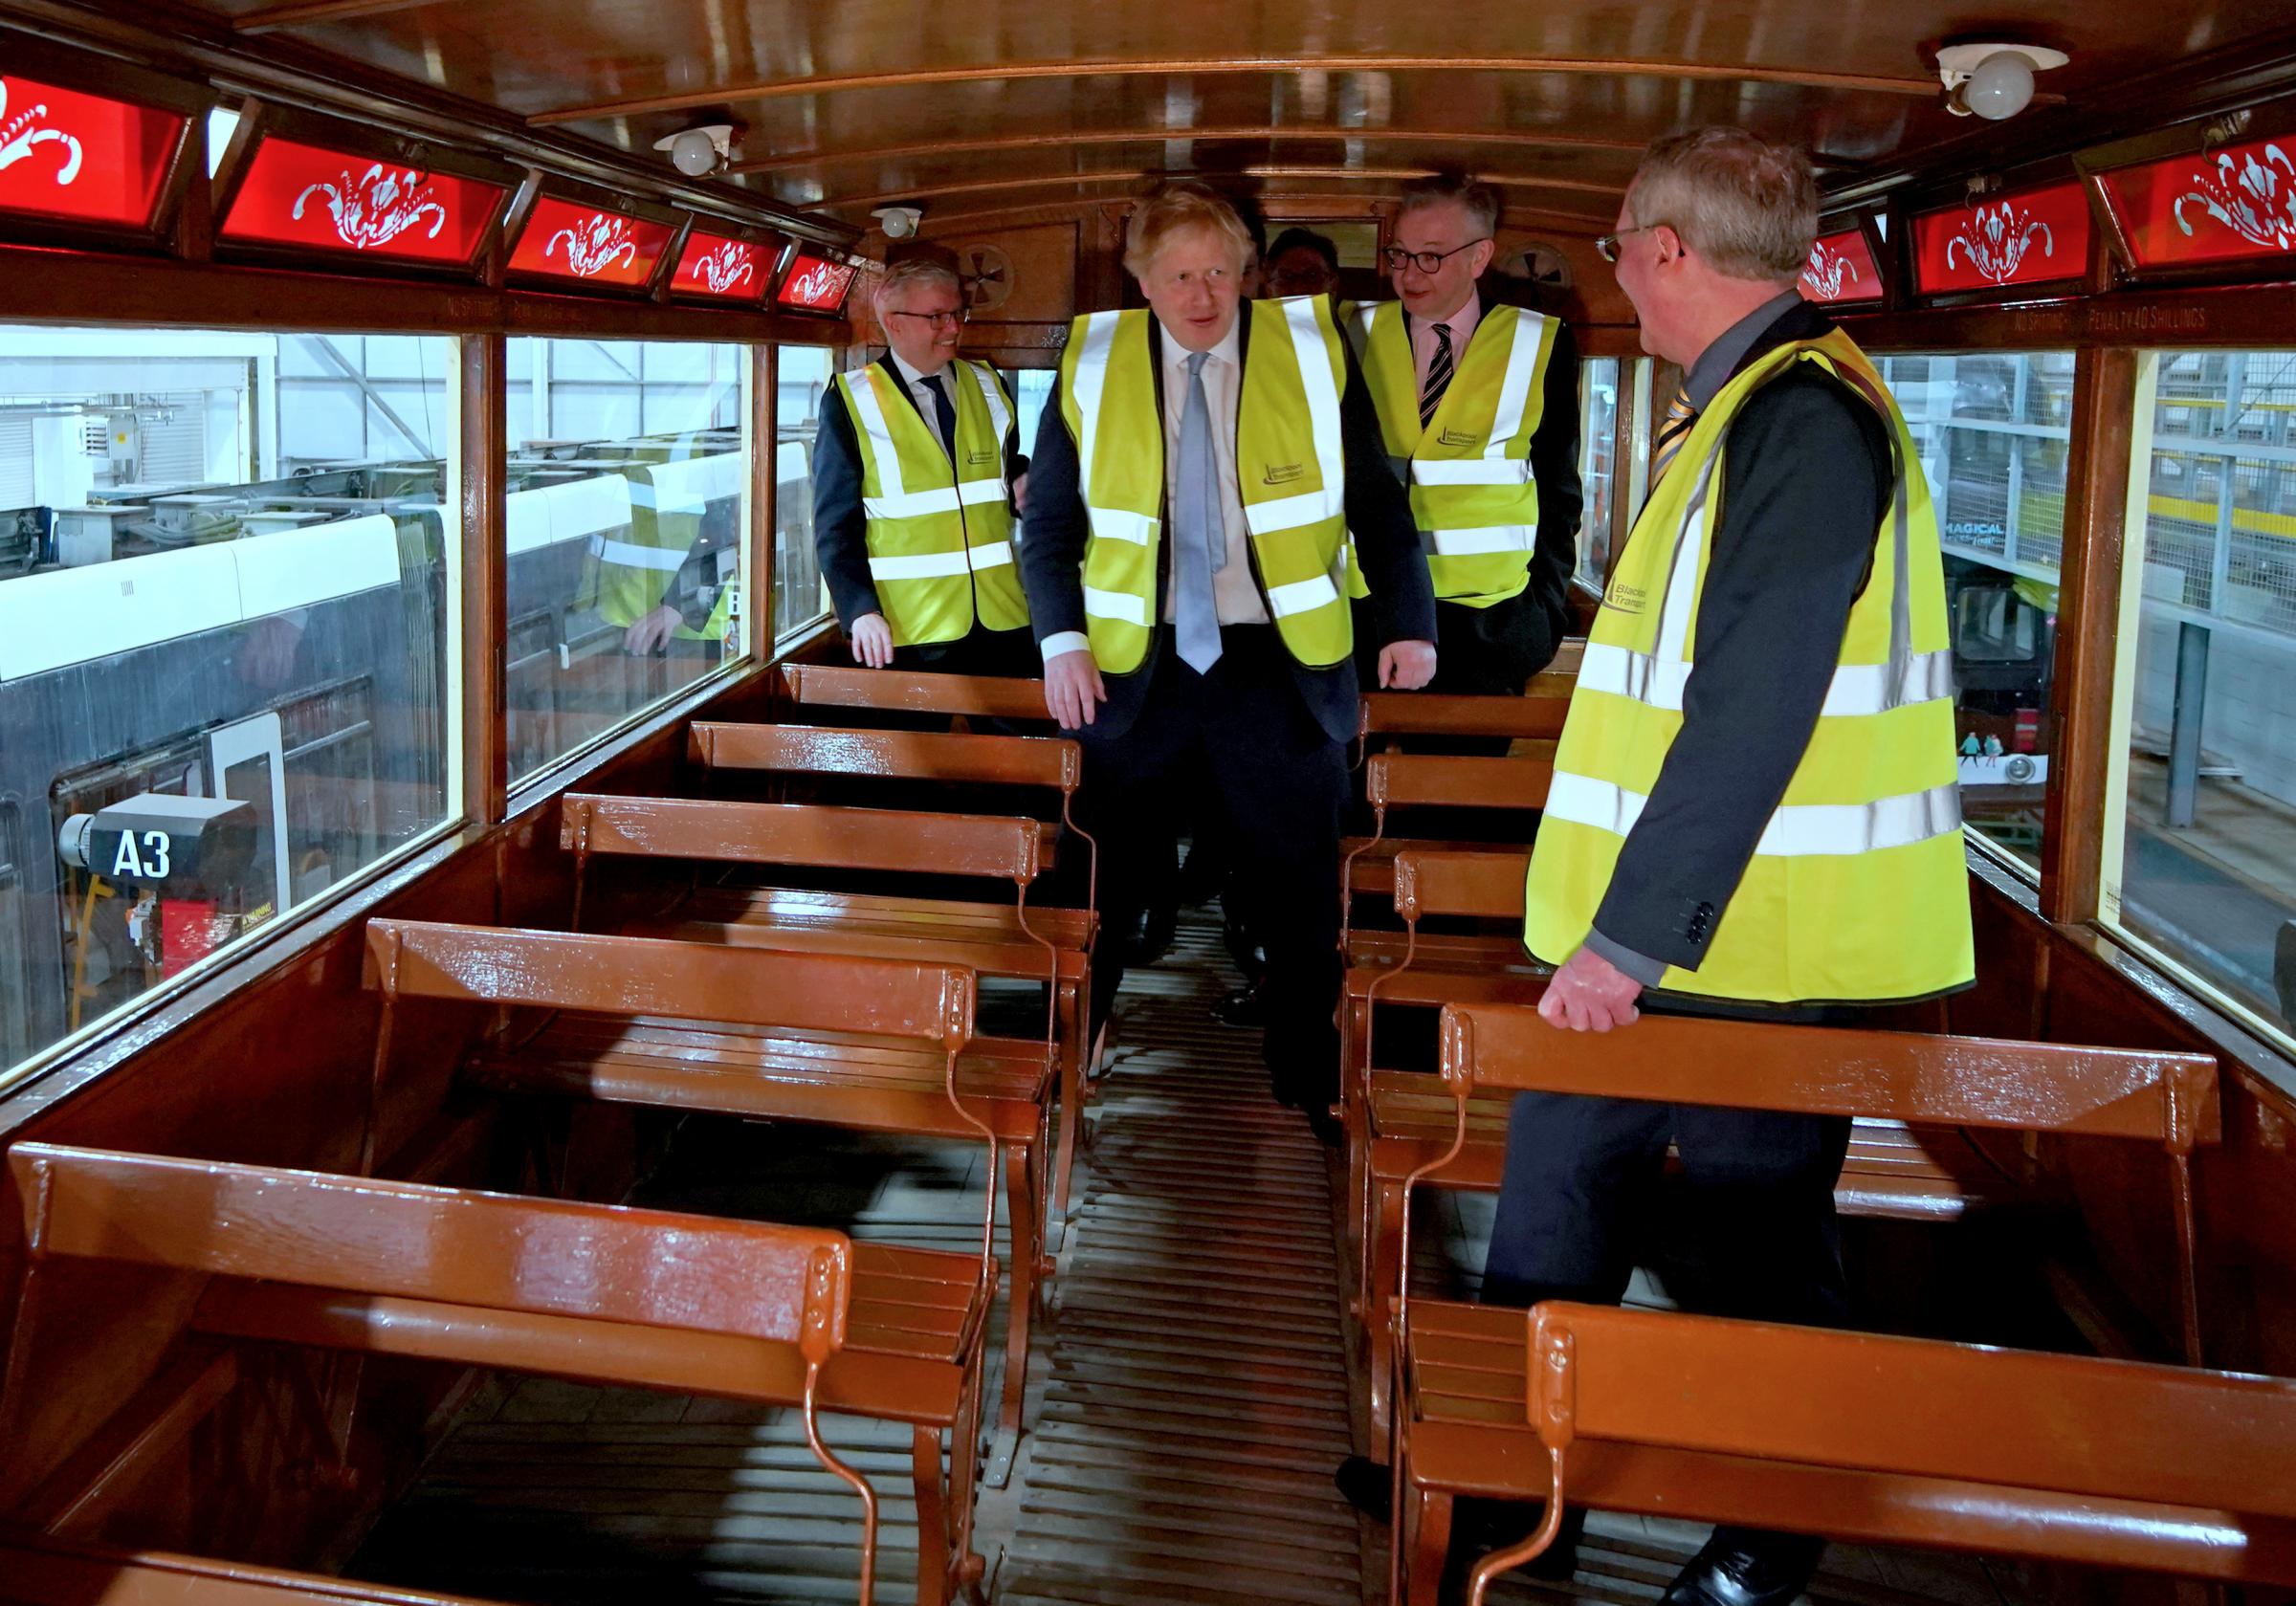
(916, 479)
(1479, 406)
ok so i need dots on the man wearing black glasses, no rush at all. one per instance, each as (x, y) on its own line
(917, 480)
(1479, 404)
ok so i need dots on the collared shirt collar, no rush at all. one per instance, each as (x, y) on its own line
(1229, 350)
(1719, 361)
(1461, 322)
(911, 377)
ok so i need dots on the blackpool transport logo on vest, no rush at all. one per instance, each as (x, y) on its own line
(1626, 598)
(1454, 437)
(1283, 473)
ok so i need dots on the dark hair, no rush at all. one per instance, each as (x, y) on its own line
(1296, 239)
(1481, 201)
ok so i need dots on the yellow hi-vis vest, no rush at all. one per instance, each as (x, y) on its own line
(1289, 467)
(1470, 469)
(1858, 890)
(939, 534)
(637, 562)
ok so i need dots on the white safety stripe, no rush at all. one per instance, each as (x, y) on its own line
(1795, 830)
(1471, 470)
(923, 565)
(1115, 604)
(1690, 554)
(1476, 544)
(1302, 596)
(863, 391)
(1857, 688)
(998, 417)
(1115, 524)
(915, 504)
(1290, 512)
(634, 556)
(1091, 376)
(1323, 401)
(990, 554)
(972, 493)
(1515, 390)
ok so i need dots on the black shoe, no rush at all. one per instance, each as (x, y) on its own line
(1155, 938)
(1244, 1007)
(1326, 1126)
(1367, 1487)
(1746, 1566)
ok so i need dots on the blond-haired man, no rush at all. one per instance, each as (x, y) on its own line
(1196, 476)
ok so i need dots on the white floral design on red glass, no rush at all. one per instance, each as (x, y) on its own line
(1823, 275)
(592, 246)
(2256, 200)
(723, 267)
(20, 134)
(377, 207)
(1997, 238)
(820, 283)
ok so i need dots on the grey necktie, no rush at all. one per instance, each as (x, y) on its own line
(1199, 533)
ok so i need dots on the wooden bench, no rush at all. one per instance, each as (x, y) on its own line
(789, 1316)
(1007, 940)
(1517, 782)
(1537, 714)
(870, 1045)
(51, 1572)
(1918, 1079)
(977, 697)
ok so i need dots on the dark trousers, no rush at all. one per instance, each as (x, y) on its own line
(1244, 740)
(980, 652)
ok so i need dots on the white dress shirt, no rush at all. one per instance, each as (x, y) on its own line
(1462, 330)
(921, 389)
(1235, 594)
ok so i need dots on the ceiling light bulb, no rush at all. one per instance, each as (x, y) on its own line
(2000, 87)
(693, 153)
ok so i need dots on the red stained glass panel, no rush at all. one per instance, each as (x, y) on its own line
(68, 155)
(2003, 240)
(815, 284)
(588, 246)
(1841, 269)
(2237, 203)
(713, 265)
(322, 200)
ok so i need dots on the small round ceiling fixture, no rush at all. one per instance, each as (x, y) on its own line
(1993, 79)
(699, 152)
(899, 223)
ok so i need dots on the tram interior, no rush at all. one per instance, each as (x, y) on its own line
(428, 762)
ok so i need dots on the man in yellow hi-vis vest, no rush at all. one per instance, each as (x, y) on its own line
(916, 475)
(1754, 809)
(1479, 404)
(1196, 474)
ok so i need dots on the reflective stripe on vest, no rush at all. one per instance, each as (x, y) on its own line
(1469, 468)
(1857, 886)
(665, 503)
(939, 536)
(1291, 467)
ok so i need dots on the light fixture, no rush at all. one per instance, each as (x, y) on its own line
(699, 152)
(899, 223)
(1993, 79)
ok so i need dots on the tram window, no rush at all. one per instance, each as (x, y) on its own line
(227, 576)
(1994, 430)
(2201, 860)
(1598, 440)
(798, 598)
(627, 519)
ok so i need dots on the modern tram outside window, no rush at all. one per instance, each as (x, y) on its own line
(1598, 444)
(1993, 431)
(226, 590)
(2205, 870)
(627, 495)
(807, 372)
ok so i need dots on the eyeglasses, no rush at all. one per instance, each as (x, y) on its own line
(954, 319)
(1606, 246)
(1426, 261)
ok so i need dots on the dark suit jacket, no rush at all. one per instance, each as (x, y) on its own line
(1377, 512)
(840, 528)
(1555, 468)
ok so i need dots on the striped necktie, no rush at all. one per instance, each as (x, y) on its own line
(1439, 376)
(1672, 430)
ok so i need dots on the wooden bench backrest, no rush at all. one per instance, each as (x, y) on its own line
(1537, 714)
(487, 1251)
(1919, 1078)
(48, 1573)
(980, 695)
(892, 755)
(897, 840)
(1409, 780)
(2020, 1422)
(686, 980)
(1488, 886)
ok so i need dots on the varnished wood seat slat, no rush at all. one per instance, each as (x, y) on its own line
(36, 1570)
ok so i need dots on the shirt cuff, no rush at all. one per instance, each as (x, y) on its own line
(1065, 641)
(1637, 967)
